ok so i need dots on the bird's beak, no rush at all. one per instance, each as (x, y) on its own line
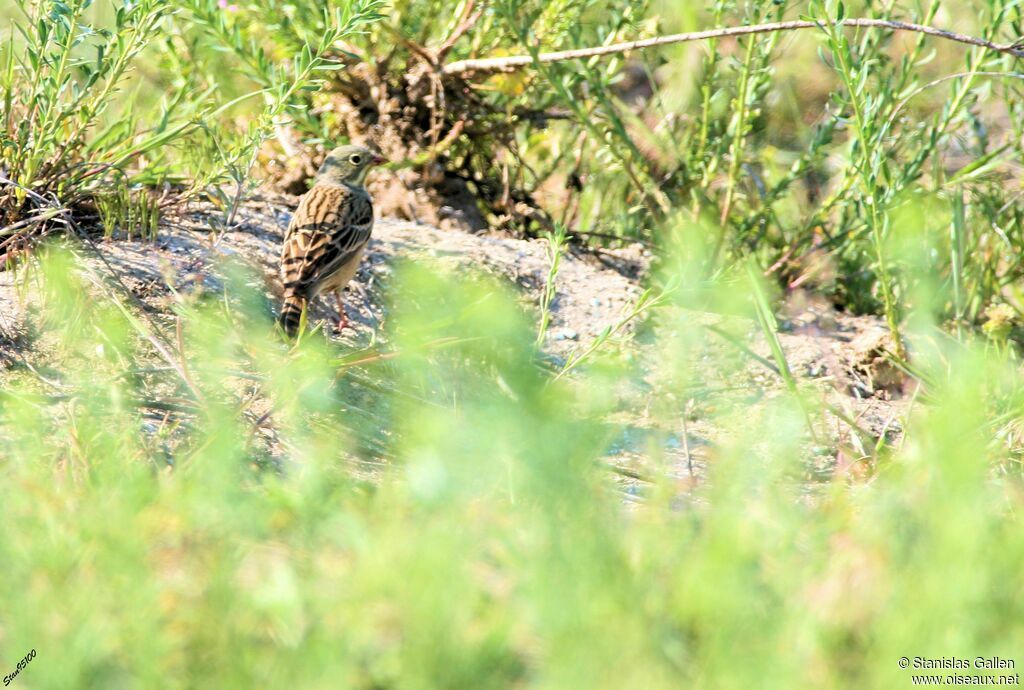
(378, 159)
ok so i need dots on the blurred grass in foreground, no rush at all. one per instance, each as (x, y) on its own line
(150, 539)
(187, 503)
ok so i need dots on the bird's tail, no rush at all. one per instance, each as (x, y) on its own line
(291, 314)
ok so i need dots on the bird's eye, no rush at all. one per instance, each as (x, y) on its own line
(356, 159)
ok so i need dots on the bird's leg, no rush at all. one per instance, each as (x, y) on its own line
(342, 322)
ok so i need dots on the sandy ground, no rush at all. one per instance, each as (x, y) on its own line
(837, 357)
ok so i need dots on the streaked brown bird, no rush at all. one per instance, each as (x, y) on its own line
(327, 234)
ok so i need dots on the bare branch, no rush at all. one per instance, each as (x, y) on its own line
(468, 20)
(515, 62)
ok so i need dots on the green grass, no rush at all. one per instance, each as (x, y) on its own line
(188, 502)
(171, 546)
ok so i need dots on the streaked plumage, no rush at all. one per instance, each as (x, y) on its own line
(327, 234)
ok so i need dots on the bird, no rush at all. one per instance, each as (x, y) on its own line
(327, 235)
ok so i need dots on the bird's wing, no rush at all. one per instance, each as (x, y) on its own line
(328, 229)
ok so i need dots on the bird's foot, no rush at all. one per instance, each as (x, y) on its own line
(342, 322)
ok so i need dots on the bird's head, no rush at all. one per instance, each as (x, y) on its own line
(348, 165)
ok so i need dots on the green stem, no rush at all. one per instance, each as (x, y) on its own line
(840, 48)
(36, 158)
(739, 135)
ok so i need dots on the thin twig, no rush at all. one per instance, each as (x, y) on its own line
(686, 443)
(738, 344)
(942, 80)
(513, 62)
(467, 21)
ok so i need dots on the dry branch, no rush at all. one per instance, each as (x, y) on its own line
(514, 62)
